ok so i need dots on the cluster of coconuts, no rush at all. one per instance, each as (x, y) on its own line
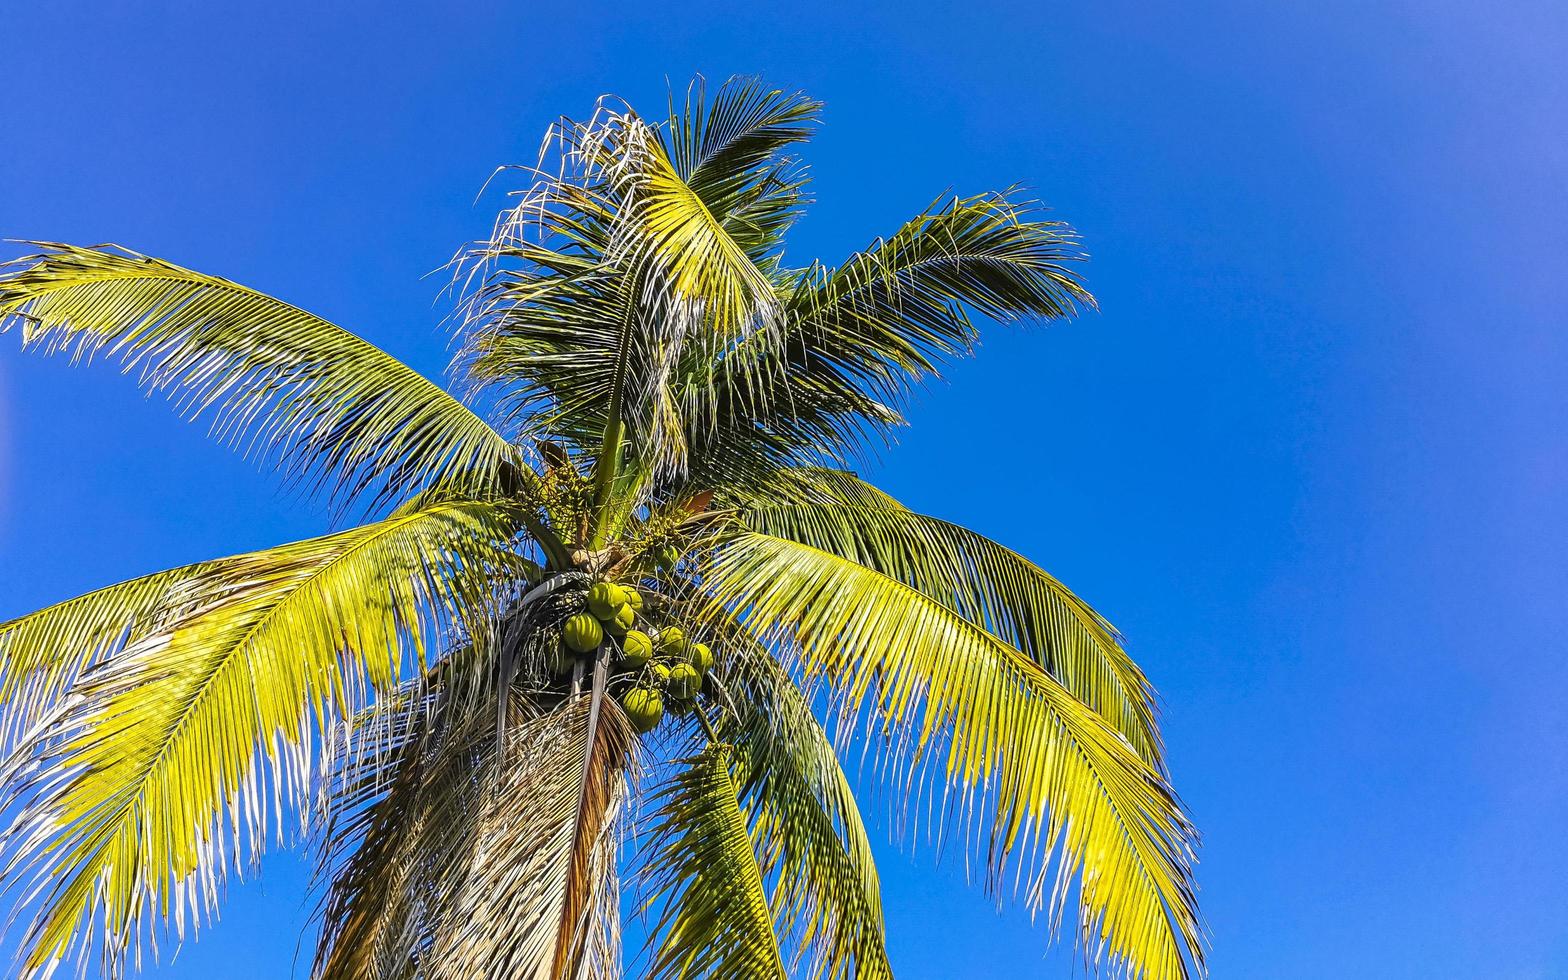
(664, 662)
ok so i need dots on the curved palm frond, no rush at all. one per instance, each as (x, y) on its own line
(1030, 768)
(642, 269)
(715, 920)
(885, 317)
(43, 653)
(552, 346)
(692, 251)
(730, 150)
(857, 339)
(155, 775)
(989, 585)
(803, 819)
(308, 396)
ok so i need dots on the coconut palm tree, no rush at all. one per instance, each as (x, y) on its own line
(617, 632)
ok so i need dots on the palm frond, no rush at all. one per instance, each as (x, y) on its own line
(855, 341)
(631, 284)
(323, 405)
(715, 921)
(989, 585)
(154, 777)
(43, 653)
(1031, 772)
(730, 150)
(551, 347)
(694, 253)
(803, 819)
(887, 316)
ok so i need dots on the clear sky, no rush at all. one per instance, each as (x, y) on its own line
(1310, 457)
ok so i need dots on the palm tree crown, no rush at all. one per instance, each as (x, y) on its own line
(616, 632)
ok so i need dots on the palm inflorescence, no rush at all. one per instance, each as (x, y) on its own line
(610, 638)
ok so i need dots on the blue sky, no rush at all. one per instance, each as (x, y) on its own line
(1310, 457)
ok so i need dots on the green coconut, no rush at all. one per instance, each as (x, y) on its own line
(605, 599)
(633, 599)
(661, 674)
(684, 681)
(636, 648)
(582, 633)
(618, 624)
(672, 640)
(700, 657)
(644, 707)
(667, 557)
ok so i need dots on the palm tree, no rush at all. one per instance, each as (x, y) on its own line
(617, 633)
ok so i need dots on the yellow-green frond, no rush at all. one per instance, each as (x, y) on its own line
(1036, 774)
(694, 253)
(175, 758)
(989, 585)
(803, 819)
(42, 653)
(633, 286)
(730, 149)
(715, 920)
(308, 396)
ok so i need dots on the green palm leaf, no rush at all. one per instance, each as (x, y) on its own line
(43, 653)
(737, 135)
(730, 150)
(157, 775)
(992, 587)
(639, 276)
(694, 253)
(803, 821)
(856, 340)
(716, 921)
(276, 381)
(886, 316)
(1038, 772)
